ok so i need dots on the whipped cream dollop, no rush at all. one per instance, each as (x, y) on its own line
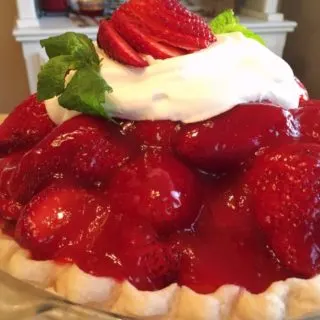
(197, 86)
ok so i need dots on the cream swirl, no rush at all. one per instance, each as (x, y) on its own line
(196, 86)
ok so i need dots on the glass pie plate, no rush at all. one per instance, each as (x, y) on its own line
(22, 301)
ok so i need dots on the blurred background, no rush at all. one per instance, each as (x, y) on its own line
(290, 28)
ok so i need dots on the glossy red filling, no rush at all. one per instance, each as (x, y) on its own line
(231, 200)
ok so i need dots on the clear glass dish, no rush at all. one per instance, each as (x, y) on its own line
(22, 301)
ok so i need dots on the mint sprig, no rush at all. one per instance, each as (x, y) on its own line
(88, 95)
(227, 22)
(86, 90)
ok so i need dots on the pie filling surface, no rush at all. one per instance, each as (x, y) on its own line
(224, 201)
(230, 200)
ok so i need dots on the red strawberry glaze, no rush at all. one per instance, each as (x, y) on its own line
(238, 252)
(128, 201)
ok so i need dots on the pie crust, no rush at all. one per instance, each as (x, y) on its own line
(290, 299)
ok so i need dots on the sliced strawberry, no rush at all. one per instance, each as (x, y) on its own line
(116, 47)
(231, 138)
(184, 42)
(158, 188)
(141, 41)
(178, 8)
(59, 217)
(172, 17)
(286, 185)
(70, 149)
(25, 126)
(163, 33)
(162, 29)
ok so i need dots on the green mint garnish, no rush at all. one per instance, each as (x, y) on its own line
(227, 22)
(86, 90)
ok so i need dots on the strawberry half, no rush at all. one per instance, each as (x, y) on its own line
(162, 29)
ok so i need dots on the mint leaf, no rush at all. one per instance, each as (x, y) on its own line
(51, 79)
(227, 22)
(86, 93)
(70, 43)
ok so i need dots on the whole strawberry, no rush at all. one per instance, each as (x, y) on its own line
(286, 192)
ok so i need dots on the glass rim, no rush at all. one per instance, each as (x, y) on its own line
(23, 301)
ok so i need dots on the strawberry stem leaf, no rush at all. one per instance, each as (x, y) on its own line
(227, 22)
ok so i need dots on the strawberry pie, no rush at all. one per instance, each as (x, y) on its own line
(170, 169)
